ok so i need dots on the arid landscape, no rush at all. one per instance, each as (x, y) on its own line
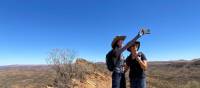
(162, 74)
(72, 43)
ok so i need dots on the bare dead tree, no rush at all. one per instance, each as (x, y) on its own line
(61, 61)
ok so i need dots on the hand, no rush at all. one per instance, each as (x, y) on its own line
(138, 58)
(125, 68)
(141, 32)
(144, 31)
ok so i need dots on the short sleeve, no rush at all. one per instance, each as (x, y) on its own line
(143, 56)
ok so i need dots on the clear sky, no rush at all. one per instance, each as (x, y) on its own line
(29, 29)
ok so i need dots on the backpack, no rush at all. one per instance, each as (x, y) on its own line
(110, 60)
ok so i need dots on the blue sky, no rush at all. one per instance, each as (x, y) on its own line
(29, 29)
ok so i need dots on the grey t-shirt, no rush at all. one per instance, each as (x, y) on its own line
(119, 61)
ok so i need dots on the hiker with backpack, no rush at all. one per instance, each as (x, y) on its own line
(137, 62)
(116, 63)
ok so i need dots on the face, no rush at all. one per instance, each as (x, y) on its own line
(134, 49)
(120, 43)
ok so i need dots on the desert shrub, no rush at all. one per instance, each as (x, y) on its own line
(61, 61)
(192, 84)
(101, 67)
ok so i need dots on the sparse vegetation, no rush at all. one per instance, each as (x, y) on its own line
(61, 61)
(176, 74)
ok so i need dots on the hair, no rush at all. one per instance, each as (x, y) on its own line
(115, 45)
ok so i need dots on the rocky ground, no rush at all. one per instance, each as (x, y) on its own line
(168, 74)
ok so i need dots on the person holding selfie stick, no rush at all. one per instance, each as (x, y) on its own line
(137, 62)
(114, 61)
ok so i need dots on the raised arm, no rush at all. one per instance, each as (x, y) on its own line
(129, 43)
(141, 33)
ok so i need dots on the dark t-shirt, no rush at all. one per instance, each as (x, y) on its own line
(135, 69)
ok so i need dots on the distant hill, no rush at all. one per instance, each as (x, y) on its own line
(160, 74)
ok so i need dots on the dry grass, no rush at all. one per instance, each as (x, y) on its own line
(22, 77)
(184, 74)
(179, 74)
